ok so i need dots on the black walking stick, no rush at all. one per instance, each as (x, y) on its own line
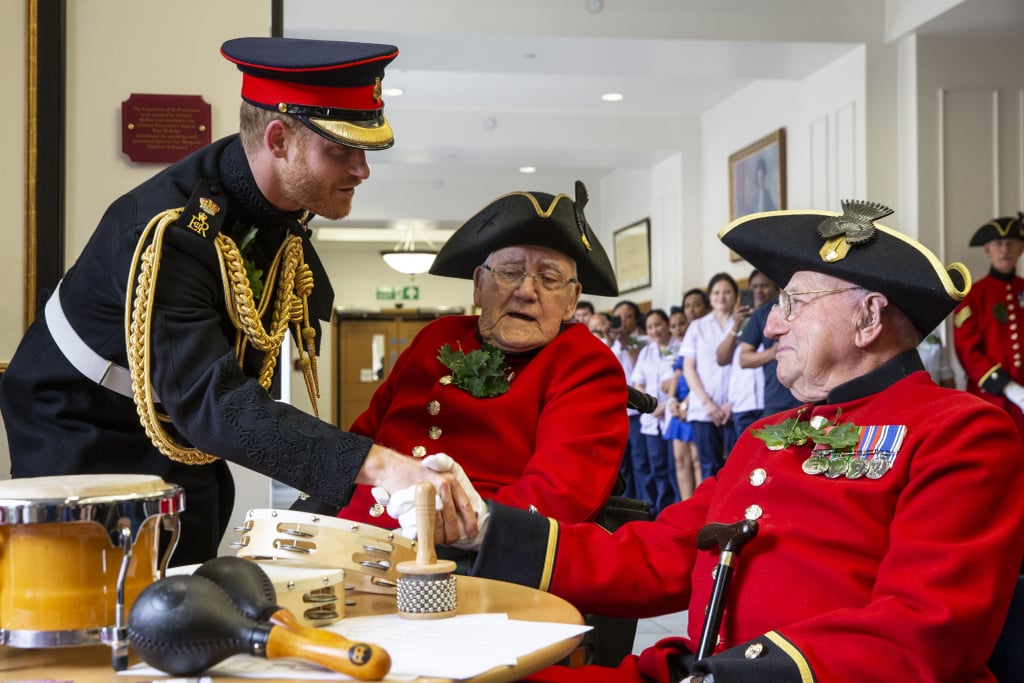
(730, 539)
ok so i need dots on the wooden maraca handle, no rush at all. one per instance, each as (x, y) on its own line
(425, 506)
(359, 660)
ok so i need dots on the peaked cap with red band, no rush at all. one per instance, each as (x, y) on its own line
(535, 218)
(333, 87)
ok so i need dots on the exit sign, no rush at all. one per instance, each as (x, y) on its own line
(399, 293)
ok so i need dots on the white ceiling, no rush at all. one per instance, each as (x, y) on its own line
(491, 85)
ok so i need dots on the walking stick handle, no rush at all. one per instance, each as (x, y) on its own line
(730, 539)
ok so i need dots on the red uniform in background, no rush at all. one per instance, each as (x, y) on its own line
(988, 334)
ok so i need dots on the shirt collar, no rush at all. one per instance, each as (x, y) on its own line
(999, 275)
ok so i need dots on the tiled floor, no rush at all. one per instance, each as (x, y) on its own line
(650, 631)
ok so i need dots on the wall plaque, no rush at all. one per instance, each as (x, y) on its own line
(163, 128)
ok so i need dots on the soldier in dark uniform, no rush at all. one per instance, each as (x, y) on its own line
(989, 323)
(216, 254)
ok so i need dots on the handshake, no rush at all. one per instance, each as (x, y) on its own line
(401, 504)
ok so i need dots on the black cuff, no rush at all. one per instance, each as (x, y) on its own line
(996, 382)
(768, 659)
(314, 506)
(516, 547)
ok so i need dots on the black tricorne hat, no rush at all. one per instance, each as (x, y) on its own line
(536, 218)
(853, 247)
(1006, 227)
(333, 87)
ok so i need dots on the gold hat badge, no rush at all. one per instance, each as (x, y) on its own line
(854, 226)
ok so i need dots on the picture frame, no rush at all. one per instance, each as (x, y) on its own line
(757, 177)
(633, 256)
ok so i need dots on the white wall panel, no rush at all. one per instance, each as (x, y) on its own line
(818, 160)
(968, 173)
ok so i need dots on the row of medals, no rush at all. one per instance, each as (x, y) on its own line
(834, 465)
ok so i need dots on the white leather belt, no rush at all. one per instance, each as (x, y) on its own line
(104, 372)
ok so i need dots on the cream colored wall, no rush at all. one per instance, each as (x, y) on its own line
(157, 47)
(12, 191)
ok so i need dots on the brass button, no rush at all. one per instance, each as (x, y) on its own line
(753, 512)
(753, 651)
(434, 433)
(419, 451)
(446, 380)
(434, 407)
(376, 510)
(758, 477)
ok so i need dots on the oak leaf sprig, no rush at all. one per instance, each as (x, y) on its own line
(820, 431)
(254, 273)
(481, 372)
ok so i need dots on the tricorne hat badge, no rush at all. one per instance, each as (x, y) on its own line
(854, 226)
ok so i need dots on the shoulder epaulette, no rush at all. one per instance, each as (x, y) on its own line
(205, 211)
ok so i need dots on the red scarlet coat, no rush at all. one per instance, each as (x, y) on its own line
(988, 334)
(554, 440)
(907, 577)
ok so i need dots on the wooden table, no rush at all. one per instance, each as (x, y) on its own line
(91, 664)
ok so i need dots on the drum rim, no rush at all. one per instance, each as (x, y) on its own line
(170, 500)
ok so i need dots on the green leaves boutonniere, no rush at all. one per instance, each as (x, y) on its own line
(999, 311)
(255, 275)
(794, 432)
(482, 373)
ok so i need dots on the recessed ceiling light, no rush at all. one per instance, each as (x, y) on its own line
(595, 6)
(612, 97)
(527, 169)
(392, 92)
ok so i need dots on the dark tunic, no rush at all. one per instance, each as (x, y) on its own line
(60, 422)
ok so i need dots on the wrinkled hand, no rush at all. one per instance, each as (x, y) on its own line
(1015, 393)
(401, 505)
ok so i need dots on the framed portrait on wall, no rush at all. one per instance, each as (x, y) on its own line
(633, 256)
(757, 176)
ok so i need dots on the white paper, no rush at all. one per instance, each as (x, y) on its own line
(455, 648)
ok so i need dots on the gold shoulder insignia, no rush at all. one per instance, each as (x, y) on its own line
(961, 316)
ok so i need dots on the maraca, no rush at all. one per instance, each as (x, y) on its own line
(253, 592)
(186, 624)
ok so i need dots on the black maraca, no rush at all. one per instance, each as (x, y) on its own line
(252, 591)
(254, 594)
(185, 624)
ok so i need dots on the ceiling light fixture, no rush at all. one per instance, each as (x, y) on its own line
(527, 169)
(613, 97)
(407, 258)
(392, 92)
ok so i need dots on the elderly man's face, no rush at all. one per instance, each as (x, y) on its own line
(520, 313)
(816, 341)
(1004, 253)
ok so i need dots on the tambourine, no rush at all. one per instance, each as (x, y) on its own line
(316, 595)
(366, 553)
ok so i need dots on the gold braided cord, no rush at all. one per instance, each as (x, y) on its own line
(137, 343)
(289, 283)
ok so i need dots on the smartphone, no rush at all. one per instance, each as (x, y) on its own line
(747, 298)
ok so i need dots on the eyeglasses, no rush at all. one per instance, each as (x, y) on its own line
(511, 278)
(786, 298)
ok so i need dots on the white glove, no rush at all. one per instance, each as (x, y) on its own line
(402, 507)
(1015, 393)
